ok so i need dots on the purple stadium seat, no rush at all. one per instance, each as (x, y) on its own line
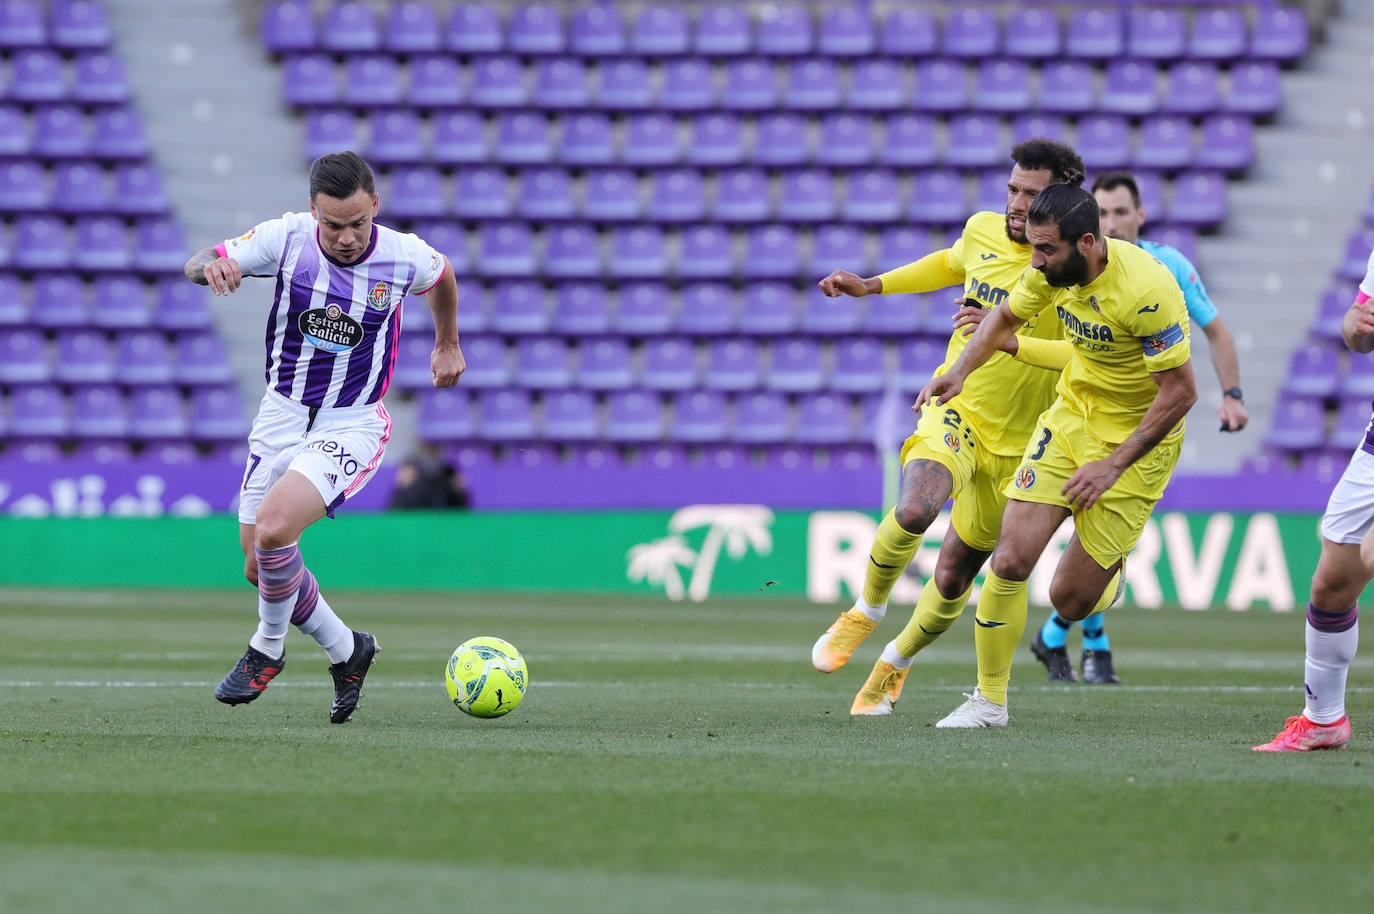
(909, 32)
(1356, 257)
(846, 31)
(449, 239)
(676, 196)
(1095, 34)
(878, 84)
(447, 415)
(688, 85)
(1359, 380)
(138, 191)
(872, 195)
(201, 358)
(742, 195)
(98, 79)
(1218, 34)
(1192, 88)
(329, 130)
(1155, 34)
(37, 75)
(23, 187)
(536, 28)
(1199, 198)
(633, 416)
(488, 362)
(606, 365)
(971, 33)
(523, 137)
(795, 365)
(15, 136)
(288, 26)
(1033, 34)
(481, 193)
(781, 139)
(706, 252)
(1227, 143)
(371, 81)
(24, 357)
(395, 138)
(838, 247)
(588, 139)
(625, 84)
(644, 309)
(142, 357)
(1255, 89)
(99, 412)
(181, 306)
(610, 194)
(412, 28)
(700, 416)
(1151, 186)
(708, 309)
(40, 243)
(917, 361)
(572, 251)
(1104, 141)
(101, 244)
(597, 31)
(498, 82)
(1029, 126)
(545, 194)
(771, 252)
(14, 304)
(975, 141)
(1165, 142)
(418, 192)
(436, 81)
(1352, 421)
(824, 418)
(561, 82)
(543, 363)
(1298, 425)
(119, 135)
(858, 366)
(1331, 308)
(784, 30)
(520, 307)
(812, 85)
(845, 139)
(507, 415)
(751, 84)
(807, 195)
(660, 31)
(571, 415)
(650, 139)
(350, 27)
(910, 140)
(938, 198)
(83, 357)
(1280, 34)
(309, 80)
(506, 249)
(991, 191)
(22, 25)
(61, 131)
(1313, 371)
(768, 309)
(941, 85)
(670, 363)
(761, 418)
(119, 303)
(459, 138)
(715, 139)
(38, 411)
(474, 29)
(1067, 87)
(1129, 87)
(723, 31)
(580, 309)
(637, 251)
(1002, 86)
(217, 415)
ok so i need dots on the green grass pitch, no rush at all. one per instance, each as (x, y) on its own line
(668, 757)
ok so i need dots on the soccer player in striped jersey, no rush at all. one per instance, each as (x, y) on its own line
(321, 430)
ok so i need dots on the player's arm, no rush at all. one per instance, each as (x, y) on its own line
(207, 267)
(1232, 412)
(1357, 327)
(446, 362)
(931, 272)
(1051, 354)
(992, 334)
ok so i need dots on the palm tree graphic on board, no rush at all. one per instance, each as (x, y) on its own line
(736, 528)
(659, 563)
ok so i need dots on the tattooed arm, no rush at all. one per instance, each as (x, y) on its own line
(207, 268)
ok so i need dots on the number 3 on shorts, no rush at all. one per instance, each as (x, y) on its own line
(1040, 445)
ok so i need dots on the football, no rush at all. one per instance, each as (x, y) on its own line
(486, 677)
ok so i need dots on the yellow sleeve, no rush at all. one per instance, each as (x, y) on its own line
(1162, 327)
(1031, 294)
(1051, 354)
(931, 272)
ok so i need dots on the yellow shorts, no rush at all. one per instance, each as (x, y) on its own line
(1062, 443)
(944, 436)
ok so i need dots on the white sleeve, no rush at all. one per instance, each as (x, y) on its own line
(259, 250)
(1367, 284)
(429, 266)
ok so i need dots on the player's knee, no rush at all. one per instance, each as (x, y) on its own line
(952, 582)
(1009, 565)
(1330, 594)
(1069, 602)
(916, 516)
(274, 532)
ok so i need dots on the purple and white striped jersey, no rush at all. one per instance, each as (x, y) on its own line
(334, 330)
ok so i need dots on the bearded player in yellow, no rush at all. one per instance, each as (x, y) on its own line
(1104, 451)
(968, 450)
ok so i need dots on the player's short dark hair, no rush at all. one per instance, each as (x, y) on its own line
(1064, 165)
(1111, 180)
(1071, 208)
(341, 175)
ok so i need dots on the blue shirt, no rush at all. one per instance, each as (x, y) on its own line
(1200, 308)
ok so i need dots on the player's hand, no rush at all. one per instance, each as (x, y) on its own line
(843, 282)
(1233, 415)
(448, 364)
(1087, 485)
(939, 391)
(223, 275)
(967, 319)
(1364, 317)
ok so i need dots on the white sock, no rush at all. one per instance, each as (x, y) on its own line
(893, 656)
(1324, 672)
(265, 644)
(874, 613)
(329, 632)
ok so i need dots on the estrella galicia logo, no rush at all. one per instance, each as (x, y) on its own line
(952, 441)
(328, 328)
(1025, 477)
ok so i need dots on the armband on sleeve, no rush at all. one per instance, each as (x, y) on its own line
(929, 273)
(1051, 354)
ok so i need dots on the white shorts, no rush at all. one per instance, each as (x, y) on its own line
(338, 453)
(1350, 511)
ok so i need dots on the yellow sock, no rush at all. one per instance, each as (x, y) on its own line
(893, 550)
(1001, 619)
(1108, 595)
(930, 619)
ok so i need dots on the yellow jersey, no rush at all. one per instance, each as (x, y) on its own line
(1128, 322)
